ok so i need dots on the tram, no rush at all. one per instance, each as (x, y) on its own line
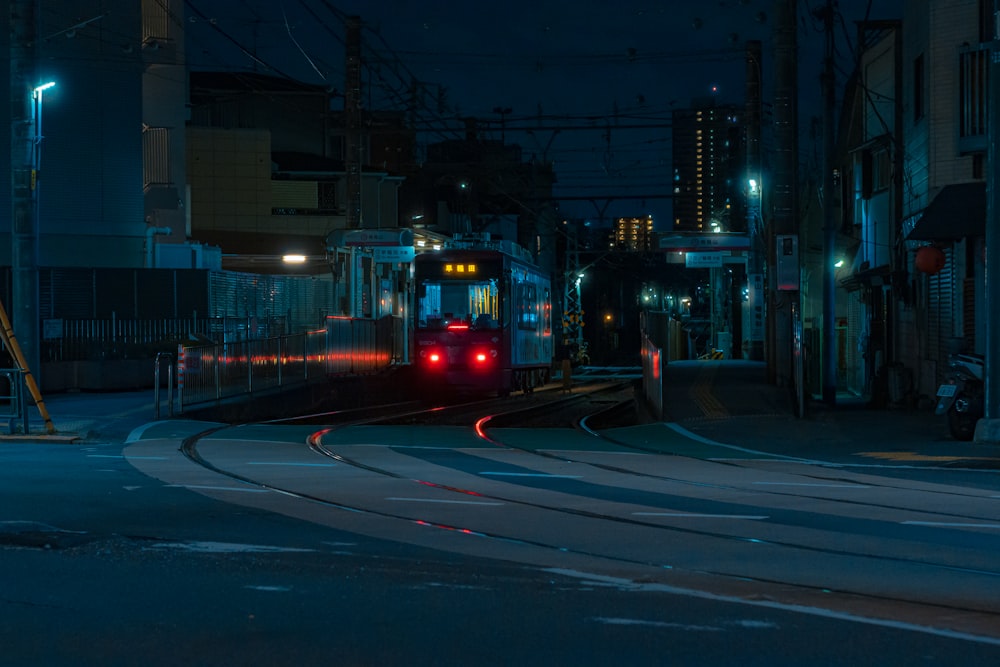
(483, 318)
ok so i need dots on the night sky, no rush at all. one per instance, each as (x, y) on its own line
(574, 64)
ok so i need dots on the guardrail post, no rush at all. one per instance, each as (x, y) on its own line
(156, 384)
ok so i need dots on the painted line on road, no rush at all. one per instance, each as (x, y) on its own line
(916, 456)
(703, 516)
(656, 624)
(138, 432)
(448, 502)
(292, 464)
(228, 548)
(215, 488)
(529, 474)
(121, 456)
(945, 524)
(831, 486)
(629, 585)
(707, 441)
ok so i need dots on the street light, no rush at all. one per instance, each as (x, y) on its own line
(36, 117)
(25, 249)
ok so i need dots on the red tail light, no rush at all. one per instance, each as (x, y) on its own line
(432, 357)
(483, 357)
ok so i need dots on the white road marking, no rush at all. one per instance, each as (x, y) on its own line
(529, 474)
(449, 502)
(270, 589)
(121, 456)
(703, 516)
(216, 488)
(291, 463)
(943, 524)
(706, 441)
(138, 432)
(656, 624)
(830, 486)
(627, 584)
(228, 547)
(131, 488)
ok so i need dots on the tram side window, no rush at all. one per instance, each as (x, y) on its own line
(527, 306)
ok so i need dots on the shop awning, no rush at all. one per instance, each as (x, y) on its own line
(957, 212)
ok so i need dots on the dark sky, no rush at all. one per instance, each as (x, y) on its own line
(575, 63)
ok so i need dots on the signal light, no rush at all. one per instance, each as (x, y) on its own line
(435, 357)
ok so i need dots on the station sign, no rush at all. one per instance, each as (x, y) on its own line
(703, 242)
(703, 260)
(369, 238)
(393, 254)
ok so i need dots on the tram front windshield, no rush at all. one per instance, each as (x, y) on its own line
(445, 303)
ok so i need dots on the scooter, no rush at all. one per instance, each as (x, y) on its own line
(961, 395)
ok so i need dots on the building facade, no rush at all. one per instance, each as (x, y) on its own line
(913, 164)
(709, 191)
(634, 234)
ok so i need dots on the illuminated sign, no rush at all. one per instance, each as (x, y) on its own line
(704, 242)
(393, 254)
(460, 269)
(702, 260)
(342, 238)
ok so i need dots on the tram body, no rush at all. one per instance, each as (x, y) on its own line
(483, 318)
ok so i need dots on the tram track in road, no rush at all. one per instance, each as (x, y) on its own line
(316, 441)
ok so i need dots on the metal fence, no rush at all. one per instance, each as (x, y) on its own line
(346, 346)
(654, 364)
(117, 338)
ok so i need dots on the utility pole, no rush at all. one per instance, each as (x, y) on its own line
(352, 159)
(988, 428)
(24, 203)
(783, 303)
(829, 344)
(352, 114)
(754, 317)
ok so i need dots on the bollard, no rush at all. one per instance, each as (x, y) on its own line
(567, 375)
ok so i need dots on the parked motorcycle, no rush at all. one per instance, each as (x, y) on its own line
(961, 396)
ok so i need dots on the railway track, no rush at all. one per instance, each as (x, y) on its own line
(637, 499)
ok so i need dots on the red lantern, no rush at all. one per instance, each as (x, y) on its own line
(930, 259)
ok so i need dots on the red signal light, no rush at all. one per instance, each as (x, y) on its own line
(434, 357)
(481, 357)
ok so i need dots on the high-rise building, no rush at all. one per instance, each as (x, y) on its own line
(634, 233)
(709, 193)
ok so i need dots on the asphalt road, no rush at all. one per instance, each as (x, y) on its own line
(113, 555)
